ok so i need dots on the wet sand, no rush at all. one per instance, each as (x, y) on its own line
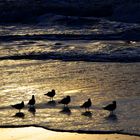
(36, 133)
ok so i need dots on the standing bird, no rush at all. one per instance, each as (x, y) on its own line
(51, 94)
(18, 106)
(31, 102)
(111, 107)
(65, 101)
(87, 104)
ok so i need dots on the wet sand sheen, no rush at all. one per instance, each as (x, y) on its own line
(102, 82)
(33, 133)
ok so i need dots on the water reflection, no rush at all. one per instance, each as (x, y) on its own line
(87, 114)
(66, 110)
(51, 103)
(112, 118)
(100, 81)
(19, 114)
(32, 110)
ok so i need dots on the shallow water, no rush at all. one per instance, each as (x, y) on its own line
(103, 82)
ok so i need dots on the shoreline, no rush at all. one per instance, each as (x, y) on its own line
(90, 132)
(39, 133)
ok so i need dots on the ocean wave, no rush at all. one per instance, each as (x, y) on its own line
(73, 47)
(115, 36)
(75, 56)
(126, 35)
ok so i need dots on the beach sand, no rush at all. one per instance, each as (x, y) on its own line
(36, 133)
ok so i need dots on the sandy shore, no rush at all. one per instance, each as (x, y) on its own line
(34, 133)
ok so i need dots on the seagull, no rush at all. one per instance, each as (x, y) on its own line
(51, 94)
(111, 107)
(65, 101)
(87, 104)
(32, 101)
(18, 106)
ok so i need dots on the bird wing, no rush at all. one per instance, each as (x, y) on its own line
(84, 104)
(62, 101)
(107, 107)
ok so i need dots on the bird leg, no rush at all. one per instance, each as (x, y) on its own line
(111, 112)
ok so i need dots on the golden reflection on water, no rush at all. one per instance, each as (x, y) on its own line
(22, 78)
(102, 82)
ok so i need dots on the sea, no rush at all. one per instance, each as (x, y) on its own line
(80, 59)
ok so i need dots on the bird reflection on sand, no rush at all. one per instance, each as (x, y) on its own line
(51, 103)
(112, 118)
(66, 110)
(87, 113)
(32, 110)
(19, 114)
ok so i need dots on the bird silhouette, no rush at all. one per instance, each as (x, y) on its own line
(51, 94)
(32, 101)
(87, 104)
(111, 107)
(18, 106)
(65, 101)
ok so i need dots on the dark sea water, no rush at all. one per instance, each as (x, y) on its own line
(103, 70)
